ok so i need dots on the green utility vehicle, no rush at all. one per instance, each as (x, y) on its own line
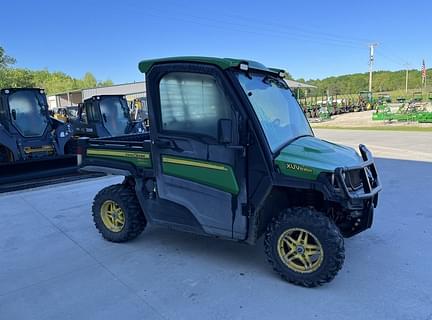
(230, 154)
(384, 98)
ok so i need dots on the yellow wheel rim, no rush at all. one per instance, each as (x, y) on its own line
(112, 216)
(300, 250)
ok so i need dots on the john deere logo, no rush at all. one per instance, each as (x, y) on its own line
(137, 155)
(296, 167)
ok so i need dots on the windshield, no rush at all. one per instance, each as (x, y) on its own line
(278, 111)
(27, 112)
(72, 112)
(115, 115)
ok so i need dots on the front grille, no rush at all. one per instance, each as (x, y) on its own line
(353, 179)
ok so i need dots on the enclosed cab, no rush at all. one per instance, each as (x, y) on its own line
(105, 116)
(366, 101)
(27, 132)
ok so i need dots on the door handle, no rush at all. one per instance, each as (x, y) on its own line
(167, 144)
(238, 148)
(163, 144)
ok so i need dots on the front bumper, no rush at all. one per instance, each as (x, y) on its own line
(370, 182)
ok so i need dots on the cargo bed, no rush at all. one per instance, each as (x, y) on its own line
(123, 155)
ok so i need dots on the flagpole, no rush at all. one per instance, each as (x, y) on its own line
(424, 74)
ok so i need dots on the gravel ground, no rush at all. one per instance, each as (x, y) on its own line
(362, 119)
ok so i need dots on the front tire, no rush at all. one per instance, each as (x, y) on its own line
(117, 214)
(304, 247)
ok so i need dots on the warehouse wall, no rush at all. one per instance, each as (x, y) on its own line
(128, 89)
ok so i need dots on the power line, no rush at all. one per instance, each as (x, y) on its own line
(247, 25)
(264, 30)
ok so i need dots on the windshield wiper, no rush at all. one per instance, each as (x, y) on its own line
(278, 150)
(270, 79)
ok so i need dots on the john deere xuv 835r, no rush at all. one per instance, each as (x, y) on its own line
(230, 154)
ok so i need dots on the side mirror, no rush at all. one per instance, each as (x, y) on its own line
(14, 114)
(225, 131)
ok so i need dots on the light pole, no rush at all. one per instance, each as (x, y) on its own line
(371, 60)
(406, 78)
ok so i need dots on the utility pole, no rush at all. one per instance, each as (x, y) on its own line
(406, 78)
(371, 61)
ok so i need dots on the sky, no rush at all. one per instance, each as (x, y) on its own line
(310, 39)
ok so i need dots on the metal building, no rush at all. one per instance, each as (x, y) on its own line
(131, 90)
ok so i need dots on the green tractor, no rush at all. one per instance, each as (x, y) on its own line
(417, 96)
(230, 154)
(365, 101)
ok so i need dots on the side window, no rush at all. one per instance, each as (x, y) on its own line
(192, 103)
(91, 112)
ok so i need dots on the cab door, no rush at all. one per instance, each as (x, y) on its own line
(199, 164)
(28, 113)
(92, 125)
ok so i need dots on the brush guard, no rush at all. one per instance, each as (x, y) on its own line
(371, 184)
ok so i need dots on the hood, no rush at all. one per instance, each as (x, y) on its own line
(307, 157)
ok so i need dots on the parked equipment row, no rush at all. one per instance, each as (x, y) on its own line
(33, 142)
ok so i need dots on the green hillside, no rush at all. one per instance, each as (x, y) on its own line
(383, 81)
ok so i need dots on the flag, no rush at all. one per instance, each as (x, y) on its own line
(423, 72)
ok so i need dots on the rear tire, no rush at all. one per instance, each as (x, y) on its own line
(5, 155)
(117, 213)
(71, 147)
(304, 247)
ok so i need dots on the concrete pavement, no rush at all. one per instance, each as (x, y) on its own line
(405, 145)
(54, 264)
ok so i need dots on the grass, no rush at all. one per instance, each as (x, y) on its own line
(378, 128)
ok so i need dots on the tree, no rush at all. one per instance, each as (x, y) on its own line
(5, 60)
(89, 80)
(52, 82)
(105, 83)
(10, 78)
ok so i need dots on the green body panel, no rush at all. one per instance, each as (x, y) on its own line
(138, 158)
(213, 174)
(223, 63)
(307, 157)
